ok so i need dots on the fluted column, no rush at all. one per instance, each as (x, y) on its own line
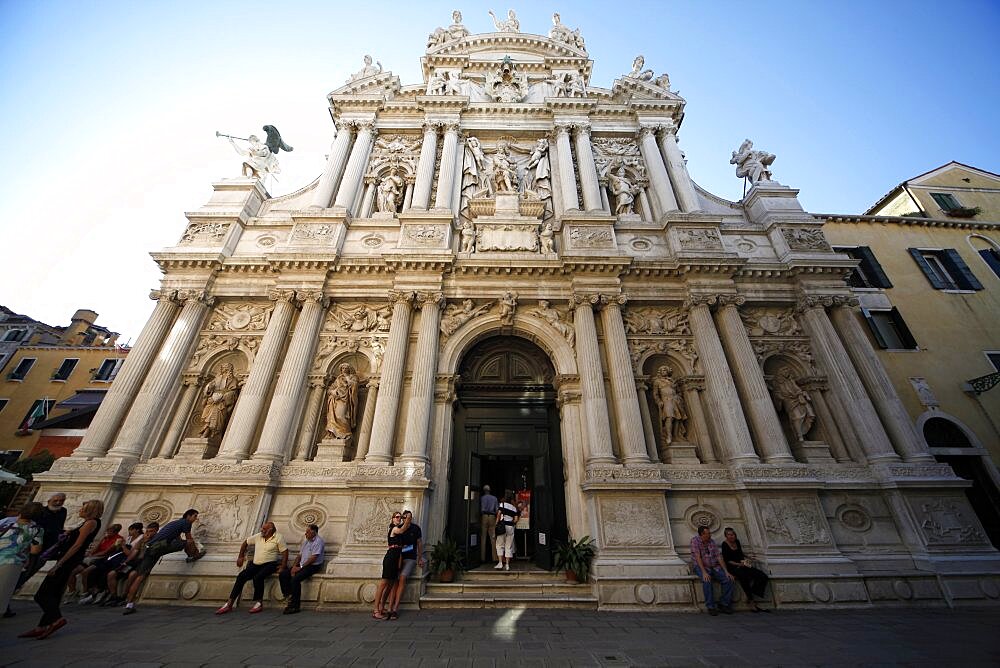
(123, 390)
(367, 420)
(368, 199)
(446, 179)
(647, 421)
(349, 185)
(724, 400)
(567, 177)
(677, 171)
(243, 423)
(387, 406)
(815, 387)
(844, 380)
(425, 167)
(170, 359)
(307, 435)
(626, 400)
(334, 165)
(588, 361)
(422, 383)
(279, 426)
(588, 169)
(903, 434)
(657, 171)
(694, 388)
(190, 384)
(749, 377)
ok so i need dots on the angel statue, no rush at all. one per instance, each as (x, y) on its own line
(752, 164)
(637, 71)
(510, 25)
(368, 70)
(260, 158)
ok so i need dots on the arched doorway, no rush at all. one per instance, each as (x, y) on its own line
(506, 435)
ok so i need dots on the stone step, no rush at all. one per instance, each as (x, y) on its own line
(513, 599)
(507, 588)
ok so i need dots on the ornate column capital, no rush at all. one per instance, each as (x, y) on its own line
(163, 295)
(616, 300)
(563, 127)
(731, 300)
(423, 298)
(666, 129)
(315, 296)
(343, 126)
(591, 299)
(366, 126)
(195, 296)
(695, 383)
(397, 296)
(452, 127)
(806, 302)
(581, 129)
(282, 295)
(431, 127)
(648, 131)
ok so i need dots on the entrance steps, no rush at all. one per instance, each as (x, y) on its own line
(524, 586)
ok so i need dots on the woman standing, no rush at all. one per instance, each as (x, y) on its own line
(507, 516)
(74, 548)
(752, 580)
(390, 564)
(19, 538)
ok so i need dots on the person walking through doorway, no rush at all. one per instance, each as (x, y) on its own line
(488, 523)
(507, 516)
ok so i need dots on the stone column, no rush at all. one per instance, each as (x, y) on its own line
(903, 434)
(573, 439)
(657, 171)
(123, 390)
(770, 438)
(623, 392)
(446, 179)
(588, 361)
(724, 401)
(641, 387)
(387, 406)
(349, 185)
(171, 357)
(677, 171)
(567, 178)
(314, 402)
(694, 388)
(647, 211)
(368, 200)
(279, 426)
(367, 420)
(588, 169)
(238, 438)
(425, 167)
(828, 426)
(844, 380)
(422, 383)
(190, 384)
(334, 165)
(408, 193)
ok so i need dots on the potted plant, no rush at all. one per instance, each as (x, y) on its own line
(574, 556)
(446, 559)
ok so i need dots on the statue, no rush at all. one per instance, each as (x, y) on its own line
(342, 403)
(575, 85)
(560, 33)
(220, 397)
(436, 83)
(504, 174)
(752, 164)
(474, 172)
(663, 81)
(368, 70)
(546, 240)
(552, 316)
(538, 164)
(452, 33)
(468, 237)
(637, 71)
(623, 190)
(261, 158)
(378, 353)
(508, 303)
(795, 402)
(506, 84)
(670, 405)
(455, 316)
(390, 192)
(510, 25)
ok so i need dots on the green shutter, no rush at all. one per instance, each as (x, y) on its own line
(990, 257)
(956, 265)
(931, 275)
(872, 326)
(873, 267)
(902, 329)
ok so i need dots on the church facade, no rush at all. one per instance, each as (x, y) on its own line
(505, 275)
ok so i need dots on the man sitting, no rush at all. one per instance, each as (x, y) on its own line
(270, 554)
(308, 563)
(708, 566)
(167, 540)
(133, 558)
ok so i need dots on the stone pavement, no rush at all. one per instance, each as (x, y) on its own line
(193, 636)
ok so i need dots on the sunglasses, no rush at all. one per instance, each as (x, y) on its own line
(395, 517)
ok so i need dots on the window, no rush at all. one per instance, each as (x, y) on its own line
(946, 201)
(869, 273)
(38, 412)
(108, 370)
(3, 360)
(992, 258)
(65, 369)
(15, 335)
(890, 330)
(22, 368)
(994, 357)
(3, 403)
(945, 269)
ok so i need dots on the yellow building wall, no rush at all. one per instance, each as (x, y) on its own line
(970, 187)
(952, 330)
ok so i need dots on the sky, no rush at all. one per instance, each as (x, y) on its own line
(110, 108)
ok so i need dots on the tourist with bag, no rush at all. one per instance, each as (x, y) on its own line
(507, 517)
(19, 537)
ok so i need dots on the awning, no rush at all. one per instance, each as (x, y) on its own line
(6, 476)
(83, 399)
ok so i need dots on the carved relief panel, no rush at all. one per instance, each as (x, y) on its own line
(793, 521)
(225, 518)
(633, 522)
(370, 518)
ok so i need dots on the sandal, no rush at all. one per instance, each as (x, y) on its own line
(393, 615)
(378, 615)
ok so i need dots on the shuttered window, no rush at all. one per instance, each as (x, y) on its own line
(889, 329)
(992, 258)
(868, 273)
(945, 269)
(65, 369)
(946, 201)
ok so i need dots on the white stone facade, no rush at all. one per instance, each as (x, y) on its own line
(443, 220)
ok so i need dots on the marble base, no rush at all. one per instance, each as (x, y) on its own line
(332, 449)
(812, 452)
(680, 452)
(192, 448)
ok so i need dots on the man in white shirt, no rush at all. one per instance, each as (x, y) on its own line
(308, 563)
(270, 555)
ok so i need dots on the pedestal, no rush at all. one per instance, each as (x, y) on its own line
(193, 448)
(680, 452)
(332, 449)
(812, 452)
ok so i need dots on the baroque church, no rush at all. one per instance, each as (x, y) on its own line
(505, 275)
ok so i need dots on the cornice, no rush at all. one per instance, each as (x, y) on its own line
(906, 220)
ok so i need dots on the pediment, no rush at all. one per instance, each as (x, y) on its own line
(384, 84)
(513, 44)
(628, 89)
(955, 174)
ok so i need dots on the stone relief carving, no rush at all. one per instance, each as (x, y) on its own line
(511, 24)
(159, 511)
(854, 517)
(240, 317)
(751, 164)
(500, 237)
(425, 235)
(623, 473)
(317, 233)
(368, 70)
(370, 519)
(924, 392)
(805, 238)
(506, 84)
(358, 318)
(456, 315)
(214, 343)
(311, 514)
(394, 151)
(656, 321)
(373, 241)
(557, 319)
(219, 398)
(944, 521)
(562, 84)
(703, 515)
(614, 152)
(766, 348)
(508, 304)
(510, 168)
(793, 521)
(561, 33)
(706, 238)
(225, 517)
(446, 82)
(342, 403)
(770, 321)
(793, 401)
(211, 233)
(546, 240)
(632, 522)
(452, 33)
(589, 237)
(669, 405)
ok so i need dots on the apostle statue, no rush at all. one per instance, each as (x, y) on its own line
(670, 405)
(637, 71)
(342, 403)
(452, 33)
(220, 397)
(794, 401)
(623, 191)
(510, 25)
(751, 164)
(390, 192)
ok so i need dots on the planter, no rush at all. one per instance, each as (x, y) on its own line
(571, 578)
(446, 576)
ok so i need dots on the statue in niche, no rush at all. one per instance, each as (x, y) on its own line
(342, 403)
(508, 304)
(390, 192)
(474, 173)
(623, 190)
(504, 174)
(455, 316)
(220, 397)
(637, 71)
(510, 25)
(538, 165)
(546, 239)
(752, 164)
(670, 405)
(468, 237)
(554, 318)
(452, 33)
(794, 401)
(560, 33)
(378, 353)
(368, 70)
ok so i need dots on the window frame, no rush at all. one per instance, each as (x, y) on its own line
(991, 257)
(943, 203)
(900, 329)
(945, 269)
(57, 377)
(3, 404)
(49, 405)
(15, 330)
(21, 361)
(994, 363)
(116, 365)
(869, 269)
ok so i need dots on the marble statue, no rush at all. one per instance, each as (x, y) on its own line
(504, 173)
(510, 25)
(752, 164)
(663, 81)
(637, 71)
(546, 240)
(468, 237)
(342, 403)
(474, 173)
(670, 405)
(560, 33)
(378, 353)
(506, 84)
(508, 304)
(444, 82)
(260, 157)
(452, 33)
(794, 401)
(545, 311)
(220, 397)
(566, 84)
(538, 164)
(390, 192)
(623, 191)
(368, 70)
(455, 316)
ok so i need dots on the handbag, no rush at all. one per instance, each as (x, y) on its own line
(58, 549)
(501, 529)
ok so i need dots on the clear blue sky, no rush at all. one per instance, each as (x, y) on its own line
(110, 109)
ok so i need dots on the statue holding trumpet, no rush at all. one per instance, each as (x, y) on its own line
(260, 158)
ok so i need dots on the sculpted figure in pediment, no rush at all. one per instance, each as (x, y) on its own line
(457, 315)
(637, 71)
(560, 33)
(509, 25)
(452, 33)
(368, 70)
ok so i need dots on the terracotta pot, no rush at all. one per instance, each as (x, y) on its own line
(571, 577)
(446, 576)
